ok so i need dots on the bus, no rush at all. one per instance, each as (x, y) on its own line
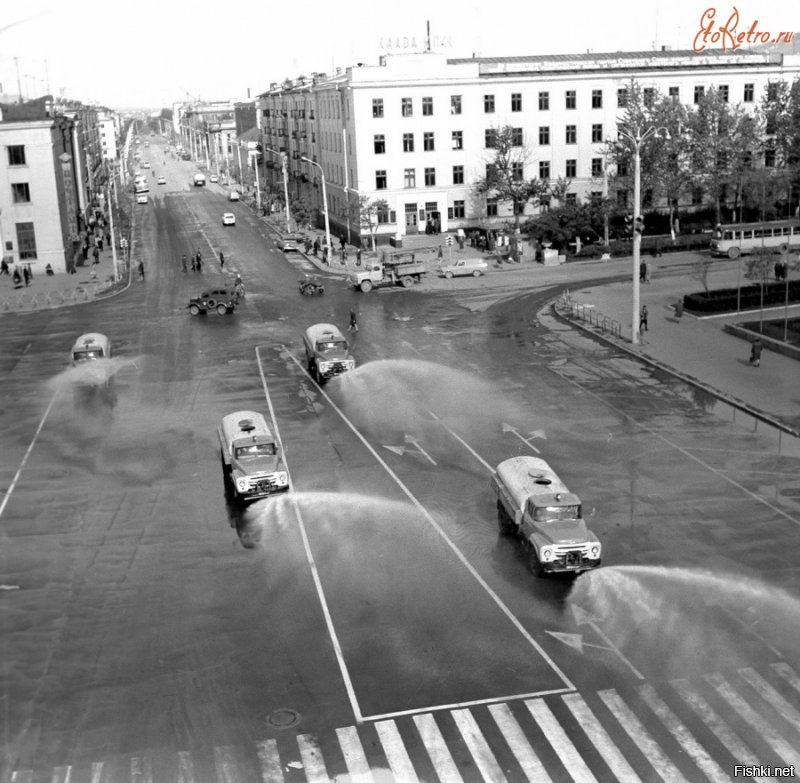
(141, 185)
(737, 239)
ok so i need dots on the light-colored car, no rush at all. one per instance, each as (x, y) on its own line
(214, 178)
(464, 266)
(162, 180)
(141, 198)
(292, 242)
(228, 219)
(234, 196)
(146, 164)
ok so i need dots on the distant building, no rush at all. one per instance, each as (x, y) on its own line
(415, 130)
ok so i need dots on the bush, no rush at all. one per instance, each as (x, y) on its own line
(724, 300)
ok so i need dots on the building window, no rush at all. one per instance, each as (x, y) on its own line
(407, 107)
(699, 92)
(16, 155)
(382, 214)
(675, 94)
(430, 177)
(427, 107)
(516, 101)
(26, 241)
(491, 207)
(571, 169)
(597, 131)
(648, 96)
(724, 92)
(380, 180)
(771, 126)
(772, 91)
(20, 192)
(427, 141)
(410, 178)
(571, 198)
(488, 104)
(458, 175)
(459, 209)
(570, 99)
(597, 167)
(622, 198)
(597, 99)
(544, 101)
(408, 142)
(490, 138)
(377, 107)
(491, 171)
(458, 140)
(544, 134)
(571, 134)
(455, 104)
(769, 158)
(749, 92)
(596, 198)
(380, 144)
(517, 172)
(516, 137)
(622, 97)
(544, 169)
(697, 196)
(622, 169)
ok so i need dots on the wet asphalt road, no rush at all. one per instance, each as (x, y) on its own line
(142, 610)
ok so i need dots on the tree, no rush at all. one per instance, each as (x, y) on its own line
(505, 175)
(369, 212)
(780, 109)
(700, 272)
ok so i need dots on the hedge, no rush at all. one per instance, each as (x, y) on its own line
(724, 300)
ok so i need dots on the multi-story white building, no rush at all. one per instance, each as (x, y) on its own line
(414, 130)
(106, 127)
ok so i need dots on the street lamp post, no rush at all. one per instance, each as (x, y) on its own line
(325, 204)
(636, 136)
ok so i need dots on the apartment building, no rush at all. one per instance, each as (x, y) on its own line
(415, 130)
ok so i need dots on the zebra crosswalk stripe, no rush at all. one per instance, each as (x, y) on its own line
(185, 767)
(141, 769)
(271, 771)
(395, 751)
(354, 756)
(226, 764)
(518, 744)
(668, 772)
(313, 762)
(61, 775)
(561, 743)
(478, 746)
(97, 771)
(22, 776)
(685, 738)
(788, 674)
(757, 723)
(437, 749)
(789, 713)
(600, 738)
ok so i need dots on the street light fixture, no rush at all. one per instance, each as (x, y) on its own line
(324, 202)
(636, 136)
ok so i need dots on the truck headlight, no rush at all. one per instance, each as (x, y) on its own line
(281, 479)
(324, 366)
(547, 554)
(595, 551)
(351, 364)
(241, 484)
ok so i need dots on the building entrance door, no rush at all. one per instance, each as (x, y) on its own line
(411, 219)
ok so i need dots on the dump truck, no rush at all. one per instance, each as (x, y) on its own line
(537, 507)
(379, 274)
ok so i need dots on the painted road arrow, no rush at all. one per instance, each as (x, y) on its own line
(401, 450)
(582, 617)
(534, 434)
(575, 640)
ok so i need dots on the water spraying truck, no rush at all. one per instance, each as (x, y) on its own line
(537, 507)
(384, 274)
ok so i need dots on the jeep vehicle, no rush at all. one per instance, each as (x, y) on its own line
(252, 462)
(327, 352)
(536, 506)
(223, 300)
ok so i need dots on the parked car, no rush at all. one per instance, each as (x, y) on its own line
(464, 266)
(146, 164)
(162, 180)
(292, 242)
(141, 198)
(234, 196)
(214, 178)
(223, 300)
(228, 219)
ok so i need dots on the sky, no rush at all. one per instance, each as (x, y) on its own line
(152, 53)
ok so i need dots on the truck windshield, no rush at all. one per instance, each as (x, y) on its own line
(83, 356)
(555, 513)
(256, 450)
(332, 345)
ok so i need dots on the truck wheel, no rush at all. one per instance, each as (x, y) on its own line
(503, 522)
(477, 273)
(222, 309)
(534, 564)
(448, 275)
(406, 281)
(194, 310)
(733, 253)
(366, 286)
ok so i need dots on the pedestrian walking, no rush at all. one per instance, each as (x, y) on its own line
(199, 263)
(439, 253)
(358, 256)
(183, 263)
(342, 242)
(96, 254)
(755, 352)
(643, 320)
(353, 322)
(643, 272)
(4, 267)
(221, 260)
(194, 262)
(316, 246)
(141, 270)
(17, 278)
(26, 274)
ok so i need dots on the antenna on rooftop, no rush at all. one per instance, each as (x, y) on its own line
(428, 36)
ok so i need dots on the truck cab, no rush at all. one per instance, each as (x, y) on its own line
(199, 179)
(535, 504)
(252, 462)
(327, 352)
(90, 347)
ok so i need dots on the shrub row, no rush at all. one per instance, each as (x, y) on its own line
(650, 245)
(724, 300)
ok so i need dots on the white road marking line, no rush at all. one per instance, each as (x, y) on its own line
(310, 557)
(227, 765)
(185, 767)
(22, 776)
(97, 771)
(61, 775)
(788, 674)
(786, 710)
(431, 521)
(639, 734)
(601, 739)
(561, 743)
(518, 743)
(721, 730)
(313, 763)
(27, 454)
(141, 770)
(437, 749)
(395, 752)
(271, 771)
(685, 738)
(354, 756)
(478, 746)
(756, 722)
(463, 443)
